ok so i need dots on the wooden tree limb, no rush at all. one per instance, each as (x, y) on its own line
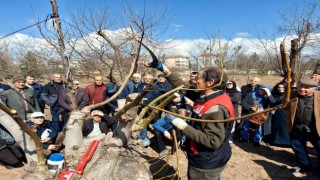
(287, 68)
(154, 113)
(282, 106)
(224, 120)
(87, 109)
(130, 105)
(145, 109)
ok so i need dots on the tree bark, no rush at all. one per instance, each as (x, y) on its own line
(294, 60)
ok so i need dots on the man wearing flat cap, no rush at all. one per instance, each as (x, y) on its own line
(303, 123)
(20, 98)
(96, 127)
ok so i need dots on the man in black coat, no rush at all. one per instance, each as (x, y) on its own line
(95, 128)
(50, 95)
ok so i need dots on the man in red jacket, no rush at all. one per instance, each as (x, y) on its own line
(95, 90)
(207, 143)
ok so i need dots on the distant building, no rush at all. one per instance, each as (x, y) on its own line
(177, 62)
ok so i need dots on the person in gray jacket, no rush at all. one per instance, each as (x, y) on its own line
(20, 98)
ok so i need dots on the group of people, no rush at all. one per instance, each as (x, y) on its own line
(210, 96)
(218, 98)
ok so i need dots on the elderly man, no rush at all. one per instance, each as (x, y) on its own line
(251, 87)
(95, 90)
(31, 83)
(303, 123)
(207, 145)
(82, 98)
(20, 98)
(193, 85)
(50, 95)
(147, 98)
(161, 86)
(95, 127)
(133, 86)
(47, 131)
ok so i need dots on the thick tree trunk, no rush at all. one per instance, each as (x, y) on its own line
(74, 140)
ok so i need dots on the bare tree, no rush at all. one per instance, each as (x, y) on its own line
(7, 67)
(139, 33)
(207, 52)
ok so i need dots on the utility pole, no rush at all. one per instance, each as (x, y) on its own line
(57, 23)
(64, 57)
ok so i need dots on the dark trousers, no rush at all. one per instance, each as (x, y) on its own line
(111, 122)
(196, 174)
(299, 146)
(159, 137)
(55, 117)
(12, 155)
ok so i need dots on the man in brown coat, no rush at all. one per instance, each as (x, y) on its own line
(303, 123)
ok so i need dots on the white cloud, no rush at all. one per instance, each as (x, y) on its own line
(184, 47)
(243, 34)
(177, 27)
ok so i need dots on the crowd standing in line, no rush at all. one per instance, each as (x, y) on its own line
(206, 143)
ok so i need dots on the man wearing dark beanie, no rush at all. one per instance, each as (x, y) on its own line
(20, 98)
(50, 95)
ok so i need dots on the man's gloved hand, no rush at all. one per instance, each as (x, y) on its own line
(160, 66)
(267, 91)
(179, 123)
(167, 135)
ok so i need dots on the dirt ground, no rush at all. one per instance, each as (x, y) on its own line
(247, 161)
